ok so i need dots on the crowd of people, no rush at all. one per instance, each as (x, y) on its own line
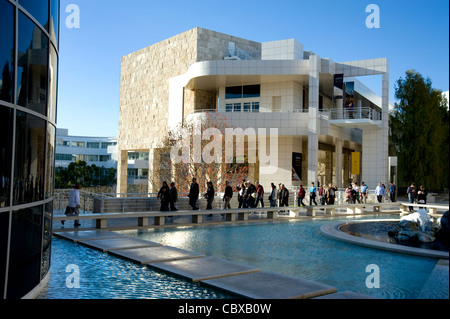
(252, 195)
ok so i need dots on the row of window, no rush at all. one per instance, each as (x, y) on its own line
(237, 107)
(103, 145)
(80, 157)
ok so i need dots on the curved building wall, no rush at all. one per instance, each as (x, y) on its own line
(29, 32)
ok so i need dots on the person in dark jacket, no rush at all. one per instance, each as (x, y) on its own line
(173, 196)
(227, 195)
(259, 194)
(164, 196)
(209, 196)
(194, 190)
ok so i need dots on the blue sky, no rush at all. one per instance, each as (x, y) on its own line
(412, 35)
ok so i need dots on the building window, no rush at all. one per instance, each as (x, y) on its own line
(29, 158)
(6, 132)
(92, 145)
(32, 68)
(255, 106)
(65, 157)
(106, 144)
(38, 9)
(104, 158)
(229, 107)
(77, 144)
(236, 107)
(91, 158)
(247, 107)
(239, 92)
(6, 48)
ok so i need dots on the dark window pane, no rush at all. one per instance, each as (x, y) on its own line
(32, 70)
(6, 133)
(38, 9)
(54, 21)
(29, 159)
(50, 161)
(6, 51)
(46, 245)
(25, 251)
(233, 92)
(52, 85)
(4, 226)
(251, 91)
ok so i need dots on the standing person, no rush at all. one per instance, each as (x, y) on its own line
(284, 196)
(280, 188)
(422, 196)
(227, 195)
(259, 194)
(209, 196)
(194, 190)
(173, 193)
(273, 196)
(348, 194)
(164, 196)
(392, 190)
(241, 192)
(301, 196)
(249, 199)
(321, 192)
(411, 191)
(380, 192)
(364, 192)
(355, 193)
(73, 207)
(331, 194)
(312, 194)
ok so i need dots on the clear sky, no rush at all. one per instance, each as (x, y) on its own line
(412, 35)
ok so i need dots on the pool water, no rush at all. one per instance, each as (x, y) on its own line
(103, 276)
(298, 249)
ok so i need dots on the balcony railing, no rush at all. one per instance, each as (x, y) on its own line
(356, 113)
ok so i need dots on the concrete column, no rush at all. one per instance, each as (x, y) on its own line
(122, 171)
(385, 125)
(338, 162)
(314, 119)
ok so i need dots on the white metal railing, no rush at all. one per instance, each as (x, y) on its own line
(356, 113)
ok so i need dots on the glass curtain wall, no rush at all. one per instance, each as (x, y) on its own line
(29, 30)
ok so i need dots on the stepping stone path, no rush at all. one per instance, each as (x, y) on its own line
(244, 281)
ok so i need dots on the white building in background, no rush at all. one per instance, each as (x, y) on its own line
(99, 151)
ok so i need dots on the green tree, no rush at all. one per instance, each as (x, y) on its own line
(87, 175)
(419, 133)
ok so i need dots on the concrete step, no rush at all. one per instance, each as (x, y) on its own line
(117, 243)
(269, 285)
(199, 269)
(76, 235)
(146, 255)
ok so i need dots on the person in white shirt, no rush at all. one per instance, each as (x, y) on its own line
(73, 207)
(380, 192)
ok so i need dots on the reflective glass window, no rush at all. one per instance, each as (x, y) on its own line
(52, 85)
(4, 226)
(50, 161)
(6, 133)
(233, 92)
(25, 251)
(38, 9)
(46, 245)
(6, 51)
(29, 159)
(228, 107)
(54, 21)
(32, 68)
(249, 91)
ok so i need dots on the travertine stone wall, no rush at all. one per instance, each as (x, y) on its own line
(144, 89)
